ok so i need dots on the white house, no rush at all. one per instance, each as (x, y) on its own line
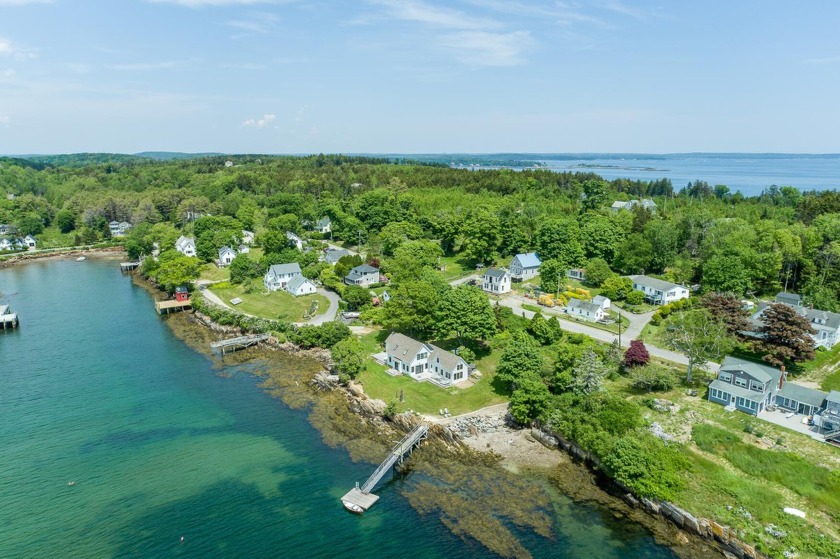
(247, 237)
(294, 239)
(226, 256)
(30, 242)
(279, 275)
(657, 291)
(324, 225)
(185, 245)
(601, 301)
(363, 275)
(244, 249)
(646, 203)
(6, 229)
(496, 281)
(5, 244)
(423, 361)
(119, 228)
(826, 324)
(585, 310)
(299, 285)
(525, 266)
(576, 274)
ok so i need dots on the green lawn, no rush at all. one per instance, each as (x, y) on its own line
(51, 237)
(455, 267)
(613, 328)
(277, 305)
(211, 272)
(425, 397)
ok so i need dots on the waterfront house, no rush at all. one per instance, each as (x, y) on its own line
(585, 310)
(6, 244)
(496, 281)
(363, 276)
(826, 324)
(333, 255)
(299, 285)
(423, 361)
(226, 256)
(657, 291)
(181, 294)
(185, 245)
(525, 266)
(576, 274)
(324, 225)
(247, 237)
(294, 240)
(30, 242)
(119, 228)
(279, 275)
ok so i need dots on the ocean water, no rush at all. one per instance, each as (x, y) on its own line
(160, 445)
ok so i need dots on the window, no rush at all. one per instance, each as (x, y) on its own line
(741, 382)
(757, 386)
(741, 402)
(422, 355)
(727, 377)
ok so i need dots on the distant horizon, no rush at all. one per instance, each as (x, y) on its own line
(432, 153)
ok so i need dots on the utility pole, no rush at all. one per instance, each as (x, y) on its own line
(619, 329)
(359, 246)
(557, 295)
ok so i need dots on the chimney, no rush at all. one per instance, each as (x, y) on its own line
(782, 378)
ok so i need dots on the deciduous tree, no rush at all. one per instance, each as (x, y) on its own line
(785, 335)
(698, 336)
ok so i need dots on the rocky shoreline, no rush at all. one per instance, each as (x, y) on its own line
(25, 257)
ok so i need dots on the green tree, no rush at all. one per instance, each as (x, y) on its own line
(597, 271)
(243, 267)
(647, 466)
(176, 269)
(395, 234)
(65, 220)
(412, 257)
(635, 298)
(347, 263)
(725, 274)
(530, 400)
(412, 308)
(560, 239)
(698, 336)
(616, 287)
(552, 271)
(356, 296)
(594, 194)
(466, 312)
(601, 237)
(348, 357)
(521, 358)
(482, 233)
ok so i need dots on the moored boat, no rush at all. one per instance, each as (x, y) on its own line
(353, 507)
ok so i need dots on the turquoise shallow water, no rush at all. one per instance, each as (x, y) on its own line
(94, 388)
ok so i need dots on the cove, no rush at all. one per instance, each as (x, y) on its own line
(162, 443)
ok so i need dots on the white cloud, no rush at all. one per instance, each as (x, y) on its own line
(488, 49)
(7, 73)
(4, 120)
(7, 48)
(421, 12)
(260, 23)
(202, 3)
(262, 122)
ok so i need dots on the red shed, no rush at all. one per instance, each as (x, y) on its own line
(181, 293)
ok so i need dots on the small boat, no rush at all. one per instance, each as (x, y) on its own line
(80, 259)
(353, 507)
(71, 483)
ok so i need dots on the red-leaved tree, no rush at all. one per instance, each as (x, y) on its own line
(636, 355)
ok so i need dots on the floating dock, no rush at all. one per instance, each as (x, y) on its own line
(234, 344)
(128, 266)
(362, 496)
(8, 319)
(166, 307)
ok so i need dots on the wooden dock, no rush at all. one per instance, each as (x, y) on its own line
(166, 307)
(234, 344)
(128, 266)
(8, 319)
(362, 496)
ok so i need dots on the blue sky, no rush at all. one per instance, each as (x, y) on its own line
(418, 76)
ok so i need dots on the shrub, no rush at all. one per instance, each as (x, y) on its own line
(546, 300)
(636, 355)
(647, 466)
(635, 298)
(653, 378)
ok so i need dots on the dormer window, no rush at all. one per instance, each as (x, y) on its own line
(741, 382)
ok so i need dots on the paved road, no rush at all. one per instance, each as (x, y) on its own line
(460, 281)
(637, 322)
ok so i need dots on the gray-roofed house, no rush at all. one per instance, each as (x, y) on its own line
(324, 225)
(185, 245)
(30, 242)
(525, 266)
(423, 361)
(226, 256)
(333, 255)
(299, 285)
(657, 291)
(646, 203)
(496, 280)
(119, 228)
(279, 275)
(826, 324)
(800, 399)
(247, 237)
(294, 239)
(585, 310)
(6, 229)
(363, 276)
(749, 387)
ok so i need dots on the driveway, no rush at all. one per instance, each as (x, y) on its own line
(332, 311)
(460, 281)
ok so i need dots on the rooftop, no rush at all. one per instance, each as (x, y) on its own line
(528, 259)
(658, 284)
(280, 269)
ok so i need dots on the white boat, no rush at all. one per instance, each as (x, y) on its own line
(353, 507)
(80, 259)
